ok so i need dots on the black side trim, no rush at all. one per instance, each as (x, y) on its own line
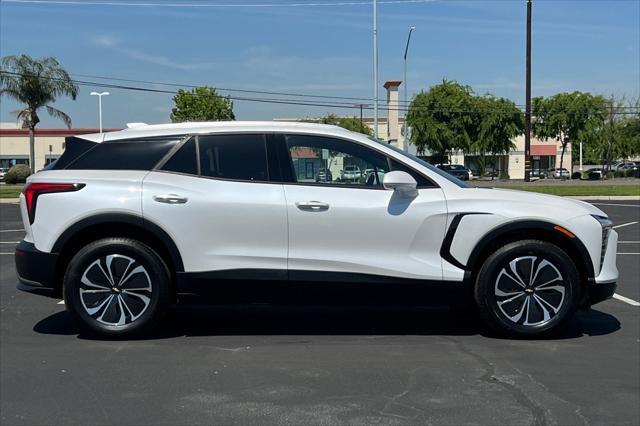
(318, 287)
(130, 219)
(36, 269)
(445, 249)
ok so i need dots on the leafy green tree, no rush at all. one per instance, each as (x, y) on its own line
(36, 83)
(499, 121)
(350, 123)
(568, 118)
(442, 118)
(201, 104)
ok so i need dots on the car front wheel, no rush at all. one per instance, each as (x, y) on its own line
(527, 288)
(116, 287)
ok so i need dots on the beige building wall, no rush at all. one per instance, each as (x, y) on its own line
(17, 147)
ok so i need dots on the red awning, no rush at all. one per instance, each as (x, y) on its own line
(543, 150)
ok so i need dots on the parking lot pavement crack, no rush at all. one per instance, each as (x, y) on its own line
(541, 417)
(395, 401)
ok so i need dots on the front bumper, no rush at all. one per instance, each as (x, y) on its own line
(36, 270)
(604, 285)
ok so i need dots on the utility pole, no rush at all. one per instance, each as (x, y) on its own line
(375, 69)
(527, 113)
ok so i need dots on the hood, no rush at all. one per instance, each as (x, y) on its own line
(533, 202)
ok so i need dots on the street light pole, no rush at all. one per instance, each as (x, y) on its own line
(375, 69)
(527, 113)
(100, 95)
(406, 50)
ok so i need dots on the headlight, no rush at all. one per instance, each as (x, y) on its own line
(607, 226)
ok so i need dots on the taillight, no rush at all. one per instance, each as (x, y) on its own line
(35, 189)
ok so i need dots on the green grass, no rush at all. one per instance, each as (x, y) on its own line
(580, 190)
(10, 191)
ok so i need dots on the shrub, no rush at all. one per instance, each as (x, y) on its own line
(504, 175)
(618, 173)
(576, 175)
(632, 173)
(609, 175)
(17, 174)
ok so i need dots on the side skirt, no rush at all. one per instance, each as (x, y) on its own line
(317, 287)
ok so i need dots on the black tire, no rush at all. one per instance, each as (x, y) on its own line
(497, 290)
(141, 294)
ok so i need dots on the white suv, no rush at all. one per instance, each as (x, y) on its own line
(124, 222)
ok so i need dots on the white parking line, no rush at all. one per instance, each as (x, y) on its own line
(11, 230)
(9, 242)
(628, 242)
(626, 300)
(628, 253)
(625, 224)
(60, 302)
(617, 205)
(7, 253)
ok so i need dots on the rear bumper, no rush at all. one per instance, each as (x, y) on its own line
(36, 270)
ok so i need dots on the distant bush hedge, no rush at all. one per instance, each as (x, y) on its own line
(17, 174)
(619, 173)
(632, 173)
(610, 175)
(576, 175)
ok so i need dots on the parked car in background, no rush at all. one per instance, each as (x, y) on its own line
(324, 175)
(2, 173)
(351, 174)
(629, 166)
(539, 173)
(457, 170)
(595, 174)
(369, 176)
(127, 221)
(559, 173)
(622, 165)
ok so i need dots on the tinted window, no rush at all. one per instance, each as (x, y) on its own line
(432, 168)
(241, 157)
(124, 155)
(73, 148)
(185, 160)
(324, 160)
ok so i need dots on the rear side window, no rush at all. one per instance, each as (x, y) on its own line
(238, 157)
(124, 155)
(185, 160)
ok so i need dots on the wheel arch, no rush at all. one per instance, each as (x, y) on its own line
(532, 229)
(114, 225)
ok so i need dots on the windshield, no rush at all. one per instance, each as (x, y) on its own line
(429, 166)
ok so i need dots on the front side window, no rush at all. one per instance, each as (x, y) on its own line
(237, 157)
(325, 160)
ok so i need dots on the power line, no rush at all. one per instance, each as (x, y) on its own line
(211, 5)
(325, 104)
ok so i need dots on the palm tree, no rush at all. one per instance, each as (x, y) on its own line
(35, 83)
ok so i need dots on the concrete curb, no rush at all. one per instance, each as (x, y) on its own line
(9, 200)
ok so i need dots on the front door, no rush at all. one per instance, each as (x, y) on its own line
(354, 225)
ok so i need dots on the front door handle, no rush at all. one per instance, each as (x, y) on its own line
(170, 199)
(312, 206)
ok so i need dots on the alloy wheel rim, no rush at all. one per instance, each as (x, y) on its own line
(530, 291)
(115, 290)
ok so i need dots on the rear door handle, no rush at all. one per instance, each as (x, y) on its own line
(170, 199)
(312, 206)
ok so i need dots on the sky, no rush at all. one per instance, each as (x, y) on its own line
(319, 47)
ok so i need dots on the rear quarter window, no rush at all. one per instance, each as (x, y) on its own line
(124, 155)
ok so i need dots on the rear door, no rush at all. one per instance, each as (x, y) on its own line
(215, 199)
(355, 226)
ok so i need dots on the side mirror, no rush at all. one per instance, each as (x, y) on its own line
(402, 182)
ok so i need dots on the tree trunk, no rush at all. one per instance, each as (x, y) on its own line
(32, 149)
(564, 147)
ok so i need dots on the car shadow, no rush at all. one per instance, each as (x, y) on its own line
(190, 320)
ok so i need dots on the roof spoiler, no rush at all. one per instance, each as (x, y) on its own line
(135, 125)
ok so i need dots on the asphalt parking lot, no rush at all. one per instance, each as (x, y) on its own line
(261, 364)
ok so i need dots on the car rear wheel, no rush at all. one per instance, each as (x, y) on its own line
(527, 288)
(116, 287)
